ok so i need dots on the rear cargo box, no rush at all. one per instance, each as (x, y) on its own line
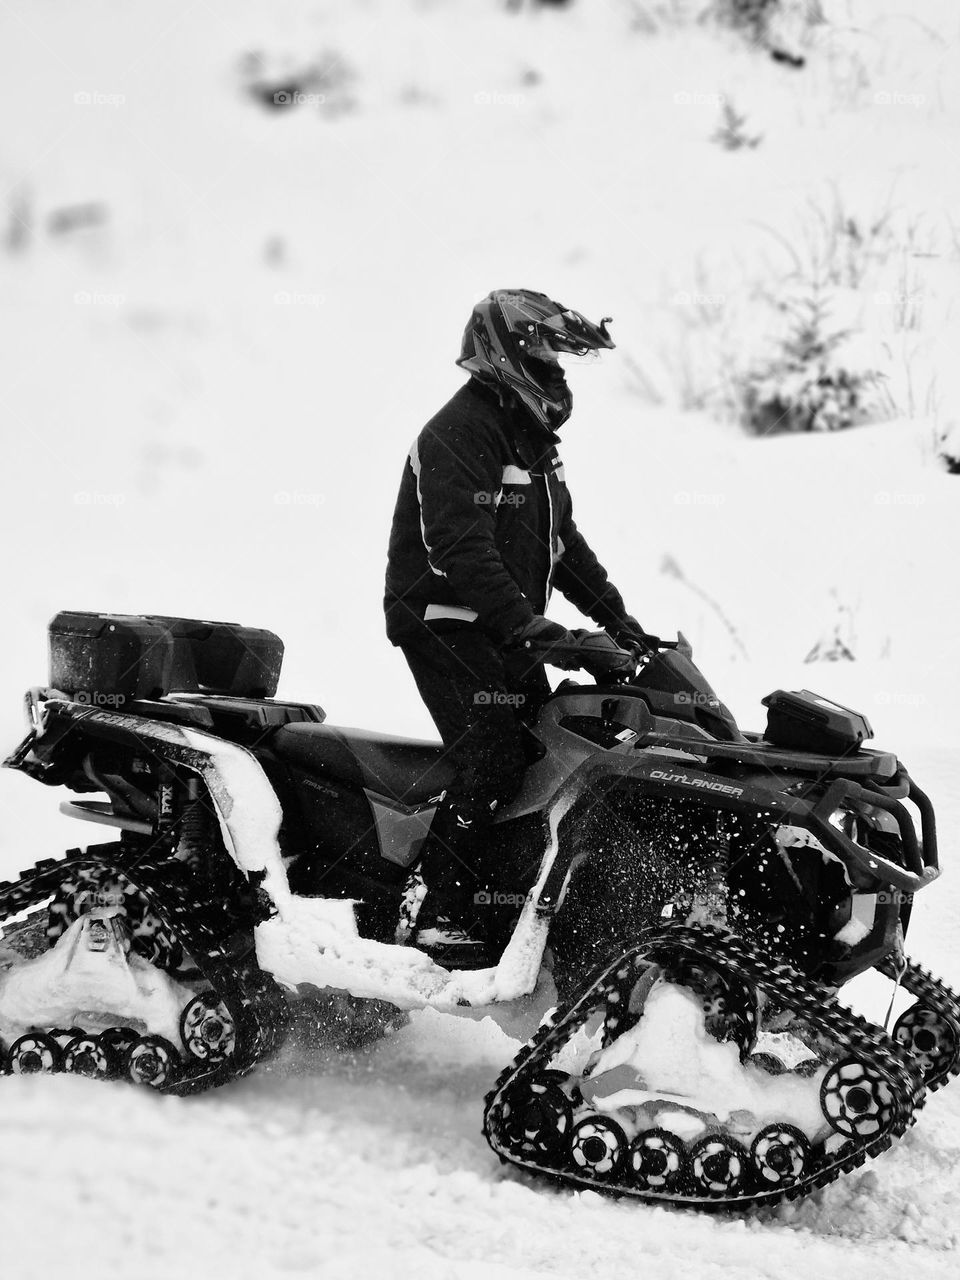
(224, 657)
(806, 722)
(108, 659)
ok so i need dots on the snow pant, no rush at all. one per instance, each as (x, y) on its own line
(478, 697)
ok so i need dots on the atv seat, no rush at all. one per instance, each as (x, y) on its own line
(404, 769)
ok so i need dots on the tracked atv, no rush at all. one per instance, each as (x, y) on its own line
(701, 894)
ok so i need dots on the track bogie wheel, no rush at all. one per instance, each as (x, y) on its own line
(85, 1056)
(782, 1155)
(153, 1061)
(657, 1161)
(720, 1166)
(34, 1053)
(598, 1147)
(117, 1042)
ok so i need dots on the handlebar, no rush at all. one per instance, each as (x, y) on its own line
(649, 645)
(613, 661)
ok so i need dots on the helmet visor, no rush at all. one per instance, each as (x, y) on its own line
(570, 332)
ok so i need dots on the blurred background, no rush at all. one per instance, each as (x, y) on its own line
(239, 242)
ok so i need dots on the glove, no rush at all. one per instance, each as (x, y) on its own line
(602, 658)
(545, 636)
(628, 633)
(592, 651)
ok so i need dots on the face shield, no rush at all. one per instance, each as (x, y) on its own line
(582, 358)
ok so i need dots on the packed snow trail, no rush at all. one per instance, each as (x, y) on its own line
(372, 1164)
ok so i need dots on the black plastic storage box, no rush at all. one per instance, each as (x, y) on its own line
(107, 659)
(110, 658)
(806, 722)
(223, 657)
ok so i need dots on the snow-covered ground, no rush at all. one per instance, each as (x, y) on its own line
(208, 392)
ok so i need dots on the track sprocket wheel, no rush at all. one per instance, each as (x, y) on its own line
(539, 1125)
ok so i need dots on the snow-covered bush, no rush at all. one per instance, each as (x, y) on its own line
(805, 383)
(813, 326)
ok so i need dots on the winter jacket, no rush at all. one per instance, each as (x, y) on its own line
(483, 528)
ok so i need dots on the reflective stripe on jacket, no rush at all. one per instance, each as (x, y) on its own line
(483, 528)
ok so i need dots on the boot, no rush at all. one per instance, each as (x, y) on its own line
(450, 944)
(447, 924)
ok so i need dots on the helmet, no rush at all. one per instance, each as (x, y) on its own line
(513, 338)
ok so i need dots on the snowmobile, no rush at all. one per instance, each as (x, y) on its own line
(698, 893)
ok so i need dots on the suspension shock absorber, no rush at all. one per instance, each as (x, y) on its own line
(166, 800)
(194, 824)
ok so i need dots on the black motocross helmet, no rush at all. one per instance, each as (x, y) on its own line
(514, 337)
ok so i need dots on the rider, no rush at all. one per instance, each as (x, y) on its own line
(482, 532)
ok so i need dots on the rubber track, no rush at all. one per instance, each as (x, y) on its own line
(733, 956)
(254, 1000)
